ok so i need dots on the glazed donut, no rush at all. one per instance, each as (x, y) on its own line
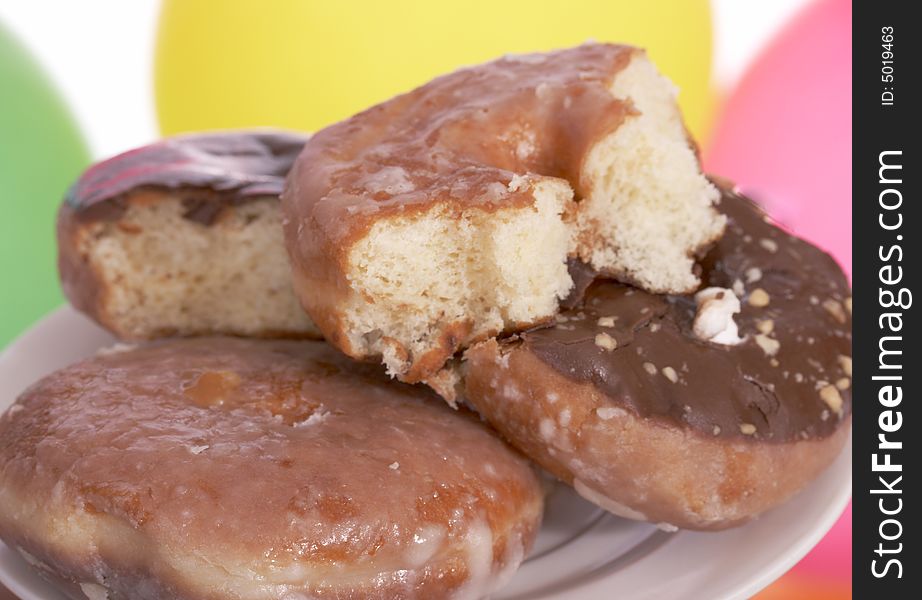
(232, 468)
(698, 413)
(183, 237)
(447, 215)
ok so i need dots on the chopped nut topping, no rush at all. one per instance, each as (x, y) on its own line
(670, 374)
(748, 429)
(716, 429)
(759, 298)
(394, 466)
(848, 304)
(846, 363)
(770, 245)
(832, 398)
(834, 307)
(844, 383)
(753, 275)
(654, 327)
(115, 348)
(606, 321)
(814, 300)
(774, 362)
(765, 326)
(606, 342)
(738, 288)
(768, 345)
(649, 368)
(798, 377)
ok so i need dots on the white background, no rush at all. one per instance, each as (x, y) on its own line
(100, 54)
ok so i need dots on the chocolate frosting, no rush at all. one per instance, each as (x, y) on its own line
(790, 377)
(217, 168)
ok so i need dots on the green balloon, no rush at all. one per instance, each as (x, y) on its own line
(41, 153)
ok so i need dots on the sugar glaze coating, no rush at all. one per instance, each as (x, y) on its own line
(219, 467)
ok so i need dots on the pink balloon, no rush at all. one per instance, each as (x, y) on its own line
(784, 134)
(831, 559)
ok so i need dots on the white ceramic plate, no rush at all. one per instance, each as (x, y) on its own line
(582, 553)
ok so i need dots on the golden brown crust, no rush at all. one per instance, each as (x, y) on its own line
(219, 467)
(448, 342)
(324, 298)
(81, 281)
(638, 467)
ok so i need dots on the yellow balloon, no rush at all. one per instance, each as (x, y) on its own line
(305, 64)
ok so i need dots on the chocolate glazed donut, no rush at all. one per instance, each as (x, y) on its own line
(183, 237)
(623, 399)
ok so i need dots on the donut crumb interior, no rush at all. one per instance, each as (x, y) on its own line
(162, 274)
(650, 209)
(437, 275)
